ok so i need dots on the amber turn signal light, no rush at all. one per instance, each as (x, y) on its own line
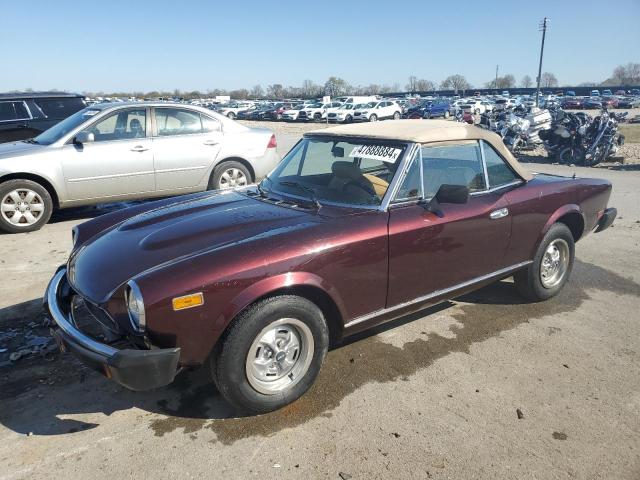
(188, 301)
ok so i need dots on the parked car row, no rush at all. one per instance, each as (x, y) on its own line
(122, 151)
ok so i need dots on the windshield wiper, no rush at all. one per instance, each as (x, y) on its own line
(305, 188)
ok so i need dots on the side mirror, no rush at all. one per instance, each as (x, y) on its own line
(452, 194)
(446, 194)
(84, 137)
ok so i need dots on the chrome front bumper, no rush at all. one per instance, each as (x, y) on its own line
(132, 368)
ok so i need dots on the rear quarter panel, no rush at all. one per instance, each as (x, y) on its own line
(538, 204)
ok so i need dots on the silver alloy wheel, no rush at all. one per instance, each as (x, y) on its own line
(396, 116)
(232, 177)
(555, 263)
(22, 207)
(373, 118)
(279, 356)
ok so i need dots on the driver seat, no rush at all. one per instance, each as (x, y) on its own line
(346, 178)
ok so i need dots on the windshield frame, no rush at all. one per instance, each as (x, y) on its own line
(80, 114)
(407, 153)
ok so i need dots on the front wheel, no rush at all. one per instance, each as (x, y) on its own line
(551, 267)
(271, 354)
(25, 206)
(571, 156)
(373, 118)
(229, 175)
(446, 114)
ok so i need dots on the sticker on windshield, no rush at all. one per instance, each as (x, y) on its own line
(376, 152)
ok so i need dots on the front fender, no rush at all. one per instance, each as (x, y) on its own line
(270, 285)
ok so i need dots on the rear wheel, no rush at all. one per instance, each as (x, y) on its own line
(396, 116)
(551, 266)
(571, 155)
(271, 354)
(231, 115)
(25, 206)
(229, 174)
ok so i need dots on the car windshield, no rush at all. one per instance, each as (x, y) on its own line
(59, 130)
(332, 170)
(371, 104)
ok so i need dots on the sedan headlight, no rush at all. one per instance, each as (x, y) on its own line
(135, 307)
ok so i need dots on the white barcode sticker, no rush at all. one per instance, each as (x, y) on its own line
(376, 152)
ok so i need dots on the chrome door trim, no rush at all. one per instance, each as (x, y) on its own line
(438, 293)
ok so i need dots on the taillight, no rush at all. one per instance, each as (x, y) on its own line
(272, 142)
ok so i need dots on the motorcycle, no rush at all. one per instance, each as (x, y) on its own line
(604, 136)
(515, 133)
(566, 138)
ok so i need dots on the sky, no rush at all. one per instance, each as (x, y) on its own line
(200, 45)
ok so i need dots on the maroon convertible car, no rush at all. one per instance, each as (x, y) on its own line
(358, 225)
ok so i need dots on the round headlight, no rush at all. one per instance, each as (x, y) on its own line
(135, 306)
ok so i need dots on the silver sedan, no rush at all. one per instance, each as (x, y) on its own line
(115, 152)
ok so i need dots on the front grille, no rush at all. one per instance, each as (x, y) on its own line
(92, 320)
(333, 115)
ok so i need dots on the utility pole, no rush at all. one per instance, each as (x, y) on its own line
(543, 27)
(495, 85)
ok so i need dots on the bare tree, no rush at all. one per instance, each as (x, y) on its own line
(335, 86)
(455, 82)
(256, 92)
(628, 74)
(548, 80)
(275, 91)
(526, 81)
(412, 86)
(423, 85)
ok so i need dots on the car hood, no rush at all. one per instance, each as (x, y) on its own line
(174, 232)
(18, 149)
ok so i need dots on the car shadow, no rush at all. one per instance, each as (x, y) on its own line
(45, 400)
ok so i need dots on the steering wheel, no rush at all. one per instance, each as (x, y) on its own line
(363, 186)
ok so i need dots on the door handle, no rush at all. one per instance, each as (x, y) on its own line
(139, 148)
(211, 143)
(500, 213)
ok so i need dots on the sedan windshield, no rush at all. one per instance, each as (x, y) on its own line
(336, 171)
(59, 130)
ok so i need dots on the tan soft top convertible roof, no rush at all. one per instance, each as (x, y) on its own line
(427, 131)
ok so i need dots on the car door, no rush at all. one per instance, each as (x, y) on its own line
(430, 252)
(186, 144)
(14, 121)
(117, 164)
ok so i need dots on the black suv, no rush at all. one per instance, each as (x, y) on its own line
(26, 115)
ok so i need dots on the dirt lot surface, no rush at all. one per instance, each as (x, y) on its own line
(486, 386)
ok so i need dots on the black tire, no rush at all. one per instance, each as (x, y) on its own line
(373, 117)
(231, 115)
(396, 116)
(528, 281)
(216, 182)
(317, 117)
(349, 119)
(228, 361)
(22, 186)
(569, 155)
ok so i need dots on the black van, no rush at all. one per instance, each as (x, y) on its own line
(26, 115)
